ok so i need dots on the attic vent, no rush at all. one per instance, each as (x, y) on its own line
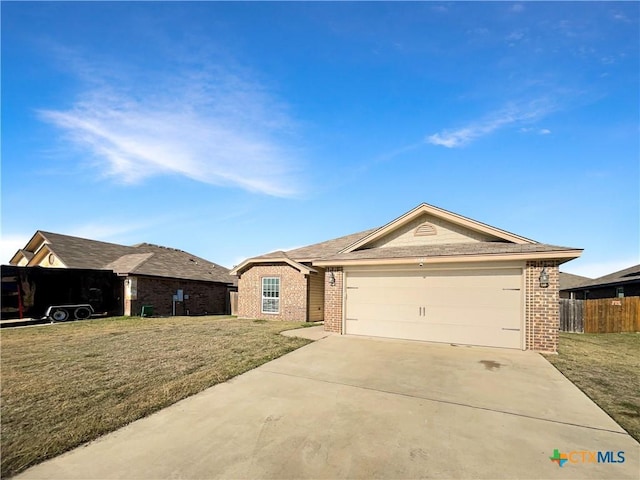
(424, 230)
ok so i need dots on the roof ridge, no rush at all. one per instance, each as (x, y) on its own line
(148, 257)
(147, 244)
(45, 233)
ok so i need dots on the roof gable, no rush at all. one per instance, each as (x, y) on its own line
(273, 257)
(427, 229)
(46, 256)
(440, 227)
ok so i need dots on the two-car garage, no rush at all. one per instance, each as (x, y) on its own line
(471, 306)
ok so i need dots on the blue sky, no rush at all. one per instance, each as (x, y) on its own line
(233, 129)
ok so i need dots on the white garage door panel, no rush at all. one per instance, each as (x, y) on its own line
(458, 334)
(477, 307)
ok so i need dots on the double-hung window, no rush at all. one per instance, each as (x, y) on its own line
(271, 295)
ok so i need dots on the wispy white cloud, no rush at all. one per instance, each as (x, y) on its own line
(10, 244)
(515, 35)
(621, 17)
(540, 131)
(212, 126)
(513, 114)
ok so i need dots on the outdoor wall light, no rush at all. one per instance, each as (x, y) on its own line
(332, 279)
(544, 278)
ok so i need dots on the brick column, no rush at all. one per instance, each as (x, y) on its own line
(333, 300)
(542, 309)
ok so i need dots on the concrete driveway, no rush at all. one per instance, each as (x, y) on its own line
(348, 407)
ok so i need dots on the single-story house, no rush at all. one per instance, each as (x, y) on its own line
(430, 275)
(151, 274)
(624, 283)
(569, 281)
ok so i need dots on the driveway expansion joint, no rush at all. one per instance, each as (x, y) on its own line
(448, 402)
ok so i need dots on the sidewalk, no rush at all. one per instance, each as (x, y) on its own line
(310, 333)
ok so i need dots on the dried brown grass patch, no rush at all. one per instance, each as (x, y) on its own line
(66, 384)
(605, 366)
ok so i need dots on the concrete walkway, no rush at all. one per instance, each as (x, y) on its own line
(348, 407)
(310, 333)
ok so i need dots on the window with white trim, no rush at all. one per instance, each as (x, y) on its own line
(271, 295)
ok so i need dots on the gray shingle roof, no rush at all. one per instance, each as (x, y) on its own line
(141, 259)
(320, 250)
(171, 262)
(329, 251)
(128, 263)
(630, 274)
(78, 252)
(27, 254)
(446, 250)
(569, 280)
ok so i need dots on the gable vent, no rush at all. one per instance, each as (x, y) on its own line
(424, 230)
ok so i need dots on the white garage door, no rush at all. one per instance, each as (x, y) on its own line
(473, 307)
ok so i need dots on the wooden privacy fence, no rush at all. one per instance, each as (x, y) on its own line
(571, 315)
(612, 315)
(604, 315)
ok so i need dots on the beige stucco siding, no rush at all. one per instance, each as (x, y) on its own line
(45, 258)
(446, 232)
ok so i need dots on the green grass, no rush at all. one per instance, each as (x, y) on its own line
(66, 384)
(605, 366)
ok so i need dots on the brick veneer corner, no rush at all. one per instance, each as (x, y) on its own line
(333, 300)
(542, 315)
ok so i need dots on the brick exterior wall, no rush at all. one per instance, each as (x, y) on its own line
(542, 310)
(333, 300)
(204, 297)
(293, 293)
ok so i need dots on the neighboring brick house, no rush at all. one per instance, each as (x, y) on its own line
(150, 274)
(624, 283)
(429, 275)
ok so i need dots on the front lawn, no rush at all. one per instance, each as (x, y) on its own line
(605, 366)
(66, 384)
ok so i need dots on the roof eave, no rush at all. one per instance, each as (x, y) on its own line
(17, 257)
(256, 261)
(563, 256)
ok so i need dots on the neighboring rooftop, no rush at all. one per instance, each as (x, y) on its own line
(140, 259)
(569, 280)
(630, 274)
